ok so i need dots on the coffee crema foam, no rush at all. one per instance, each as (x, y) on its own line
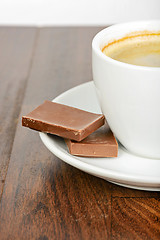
(142, 49)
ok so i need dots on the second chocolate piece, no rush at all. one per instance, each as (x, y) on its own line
(101, 143)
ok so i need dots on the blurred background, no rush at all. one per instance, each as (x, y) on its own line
(76, 12)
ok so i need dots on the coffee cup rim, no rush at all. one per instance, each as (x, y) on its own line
(100, 35)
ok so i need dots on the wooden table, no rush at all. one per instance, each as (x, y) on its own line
(41, 196)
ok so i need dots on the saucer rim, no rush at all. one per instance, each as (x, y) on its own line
(109, 175)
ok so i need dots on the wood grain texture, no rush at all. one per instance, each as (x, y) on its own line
(16, 49)
(118, 191)
(43, 197)
(136, 218)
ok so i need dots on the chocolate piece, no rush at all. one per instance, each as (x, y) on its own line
(62, 120)
(101, 143)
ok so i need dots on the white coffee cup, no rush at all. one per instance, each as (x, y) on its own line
(129, 95)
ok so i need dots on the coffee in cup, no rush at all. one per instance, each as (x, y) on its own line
(138, 48)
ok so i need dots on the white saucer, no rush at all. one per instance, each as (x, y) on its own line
(126, 170)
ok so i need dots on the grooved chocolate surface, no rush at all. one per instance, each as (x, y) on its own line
(42, 197)
(100, 143)
(63, 120)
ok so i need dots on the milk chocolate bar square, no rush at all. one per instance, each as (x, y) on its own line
(101, 143)
(62, 120)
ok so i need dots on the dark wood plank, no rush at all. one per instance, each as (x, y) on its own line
(136, 218)
(62, 61)
(118, 191)
(43, 197)
(16, 50)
